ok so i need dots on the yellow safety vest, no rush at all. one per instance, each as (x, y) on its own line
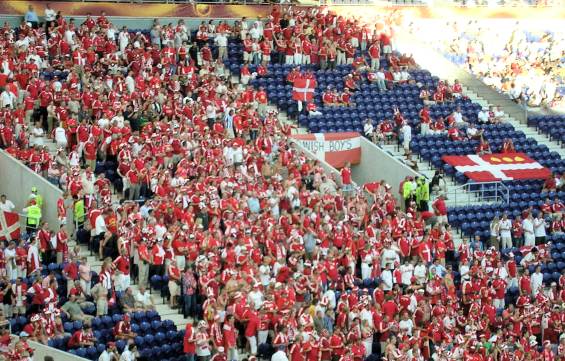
(79, 211)
(33, 215)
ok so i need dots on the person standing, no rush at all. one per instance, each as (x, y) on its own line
(505, 227)
(539, 229)
(440, 209)
(33, 216)
(189, 345)
(31, 17)
(406, 132)
(346, 182)
(422, 194)
(528, 229)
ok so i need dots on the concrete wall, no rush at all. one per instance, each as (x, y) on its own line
(16, 181)
(41, 351)
(376, 164)
(328, 169)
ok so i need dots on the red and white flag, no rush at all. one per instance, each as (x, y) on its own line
(334, 148)
(497, 167)
(9, 226)
(303, 89)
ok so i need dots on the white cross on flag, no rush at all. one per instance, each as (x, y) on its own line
(497, 167)
(9, 226)
(303, 89)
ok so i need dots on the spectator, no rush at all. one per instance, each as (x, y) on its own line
(6, 205)
(143, 299)
(127, 301)
(73, 310)
(110, 353)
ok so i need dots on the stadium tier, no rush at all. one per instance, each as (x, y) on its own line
(180, 174)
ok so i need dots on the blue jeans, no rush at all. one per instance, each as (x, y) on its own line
(189, 357)
(189, 304)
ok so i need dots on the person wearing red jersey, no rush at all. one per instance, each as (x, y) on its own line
(122, 329)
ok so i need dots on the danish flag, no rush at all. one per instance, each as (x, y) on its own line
(9, 226)
(303, 89)
(497, 167)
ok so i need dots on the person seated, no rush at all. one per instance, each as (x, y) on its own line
(36, 330)
(438, 126)
(127, 301)
(329, 97)
(438, 97)
(497, 115)
(386, 128)
(483, 147)
(345, 97)
(397, 117)
(369, 129)
(349, 83)
(550, 184)
(143, 299)
(80, 295)
(293, 74)
(508, 146)
(456, 89)
(122, 329)
(312, 109)
(394, 62)
(407, 61)
(459, 120)
(447, 92)
(360, 64)
(73, 310)
(404, 75)
(82, 338)
(483, 116)
(473, 133)
(454, 134)
(546, 207)
(425, 96)
(378, 78)
(557, 206)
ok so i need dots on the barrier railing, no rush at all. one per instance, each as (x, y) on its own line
(482, 192)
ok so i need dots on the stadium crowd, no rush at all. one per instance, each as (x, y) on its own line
(524, 62)
(262, 251)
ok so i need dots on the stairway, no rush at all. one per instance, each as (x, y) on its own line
(427, 170)
(530, 132)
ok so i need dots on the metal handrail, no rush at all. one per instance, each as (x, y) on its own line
(479, 192)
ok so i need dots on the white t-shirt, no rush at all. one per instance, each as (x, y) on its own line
(386, 277)
(536, 282)
(407, 270)
(99, 225)
(7, 206)
(407, 133)
(407, 326)
(256, 297)
(420, 272)
(279, 356)
(505, 227)
(539, 227)
(50, 14)
(60, 135)
(368, 128)
(127, 355)
(221, 40)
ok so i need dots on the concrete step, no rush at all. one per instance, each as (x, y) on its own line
(530, 132)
